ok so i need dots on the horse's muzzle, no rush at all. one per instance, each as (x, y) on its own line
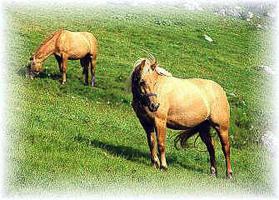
(35, 73)
(153, 107)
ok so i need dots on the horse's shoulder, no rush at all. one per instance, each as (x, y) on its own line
(64, 32)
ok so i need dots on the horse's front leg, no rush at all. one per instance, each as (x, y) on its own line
(64, 69)
(160, 127)
(151, 140)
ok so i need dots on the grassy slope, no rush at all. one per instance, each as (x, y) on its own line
(76, 136)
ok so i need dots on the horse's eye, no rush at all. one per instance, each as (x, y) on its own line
(142, 83)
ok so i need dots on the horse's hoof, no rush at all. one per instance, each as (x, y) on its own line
(213, 172)
(229, 176)
(214, 175)
(156, 165)
(93, 81)
(164, 168)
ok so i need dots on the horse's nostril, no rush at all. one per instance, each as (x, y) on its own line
(154, 107)
(157, 106)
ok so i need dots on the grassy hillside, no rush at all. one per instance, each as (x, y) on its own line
(72, 136)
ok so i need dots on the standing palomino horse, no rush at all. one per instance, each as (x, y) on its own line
(191, 105)
(66, 45)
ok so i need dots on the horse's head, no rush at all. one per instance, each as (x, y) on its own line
(147, 81)
(34, 67)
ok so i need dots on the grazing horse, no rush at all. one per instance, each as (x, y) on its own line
(162, 101)
(66, 45)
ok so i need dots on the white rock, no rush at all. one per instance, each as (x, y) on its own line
(267, 69)
(209, 39)
(192, 6)
(250, 15)
(259, 26)
(270, 141)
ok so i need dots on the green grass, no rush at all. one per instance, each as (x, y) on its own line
(72, 136)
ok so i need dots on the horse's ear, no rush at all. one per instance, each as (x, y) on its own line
(154, 65)
(142, 64)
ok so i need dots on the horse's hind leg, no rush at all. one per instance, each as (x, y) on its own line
(84, 63)
(206, 138)
(93, 69)
(223, 134)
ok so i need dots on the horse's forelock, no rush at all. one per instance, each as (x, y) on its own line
(137, 71)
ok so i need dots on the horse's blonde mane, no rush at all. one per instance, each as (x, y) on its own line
(159, 70)
(48, 39)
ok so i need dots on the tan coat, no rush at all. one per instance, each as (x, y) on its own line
(192, 105)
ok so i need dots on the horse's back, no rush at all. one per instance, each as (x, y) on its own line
(209, 87)
(92, 40)
(76, 44)
(200, 98)
(186, 103)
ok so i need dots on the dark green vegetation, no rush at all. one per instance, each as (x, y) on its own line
(75, 136)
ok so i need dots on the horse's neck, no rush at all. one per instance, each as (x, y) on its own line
(45, 50)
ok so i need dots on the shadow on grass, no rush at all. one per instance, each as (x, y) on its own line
(23, 72)
(107, 88)
(135, 155)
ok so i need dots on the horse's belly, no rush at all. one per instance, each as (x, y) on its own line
(77, 56)
(177, 126)
(75, 52)
(187, 120)
(187, 117)
(186, 110)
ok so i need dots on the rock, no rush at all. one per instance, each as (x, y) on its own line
(206, 37)
(269, 141)
(267, 69)
(192, 6)
(250, 15)
(259, 26)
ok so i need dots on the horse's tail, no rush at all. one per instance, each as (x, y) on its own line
(182, 138)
